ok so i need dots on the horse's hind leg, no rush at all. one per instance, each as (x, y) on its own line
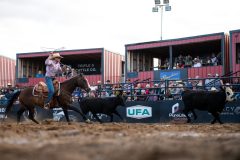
(65, 111)
(31, 115)
(19, 113)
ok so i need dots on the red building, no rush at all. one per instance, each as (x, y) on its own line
(140, 57)
(97, 64)
(7, 71)
(235, 51)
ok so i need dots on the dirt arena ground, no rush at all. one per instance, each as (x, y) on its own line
(120, 141)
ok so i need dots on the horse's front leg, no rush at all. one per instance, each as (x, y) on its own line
(65, 111)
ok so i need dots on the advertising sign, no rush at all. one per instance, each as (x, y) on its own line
(139, 112)
(89, 68)
(174, 75)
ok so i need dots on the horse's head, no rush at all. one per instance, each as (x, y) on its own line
(82, 82)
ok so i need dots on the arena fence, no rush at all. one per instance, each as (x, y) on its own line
(169, 109)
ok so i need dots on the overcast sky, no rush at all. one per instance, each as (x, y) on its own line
(32, 25)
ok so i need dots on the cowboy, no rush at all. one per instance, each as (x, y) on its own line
(52, 69)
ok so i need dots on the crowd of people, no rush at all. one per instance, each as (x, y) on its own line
(147, 91)
(163, 90)
(188, 61)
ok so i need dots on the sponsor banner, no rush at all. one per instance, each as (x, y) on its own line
(139, 112)
(142, 112)
(132, 74)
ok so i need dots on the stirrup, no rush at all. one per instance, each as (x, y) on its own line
(46, 106)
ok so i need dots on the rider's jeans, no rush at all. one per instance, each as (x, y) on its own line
(49, 82)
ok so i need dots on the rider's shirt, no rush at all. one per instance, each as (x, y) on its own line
(52, 68)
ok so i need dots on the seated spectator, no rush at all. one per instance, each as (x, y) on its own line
(152, 97)
(236, 88)
(39, 74)
(117, 90)
(189, 84)
(147, 88)
(138, 90)
(197, 62)
(166, 64)
(142, 96)
(108, 88)
(214, 59)
(218, 82)
(208, 82)
(188, 61)
(208, 63)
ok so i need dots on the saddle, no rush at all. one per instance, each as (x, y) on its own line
(41, 89)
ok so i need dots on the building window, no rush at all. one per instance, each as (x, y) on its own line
(238, 53)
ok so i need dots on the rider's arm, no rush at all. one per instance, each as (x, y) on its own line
(48, 61)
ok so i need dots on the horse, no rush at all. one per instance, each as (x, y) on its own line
(28, 101)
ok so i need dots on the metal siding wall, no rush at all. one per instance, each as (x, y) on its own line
(175, 42)
(235, 39)
(145, 75)
(112, 63)
(203, 71)
(7, 71)
(92, 79)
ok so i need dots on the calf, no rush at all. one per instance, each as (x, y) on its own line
(102, 105)
(211, 101)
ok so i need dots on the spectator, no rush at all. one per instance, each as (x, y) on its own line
(209, 82)
(39, 74)
(147, 88)
(218, 82)
(188, 61)
(142, 96)
(152, 97)
(197, 62)
(117, 90)
(99, 88)
(236, 88)
(189, 84)
(219, 58)
(138, 90)
(108, 88)
(214, 59)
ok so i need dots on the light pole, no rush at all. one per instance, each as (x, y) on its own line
(160, 5)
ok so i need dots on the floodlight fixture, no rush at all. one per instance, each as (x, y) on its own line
(157, 2)
(164, 5)
(165, 1)
(155, 9)
(168, 8)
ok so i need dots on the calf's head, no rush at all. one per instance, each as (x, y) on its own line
(229, 94)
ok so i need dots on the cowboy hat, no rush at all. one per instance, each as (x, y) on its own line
(56, 55)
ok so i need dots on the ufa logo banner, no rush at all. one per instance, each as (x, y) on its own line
(139, 112)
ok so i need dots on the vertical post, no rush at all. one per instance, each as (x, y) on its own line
(161, 20)
(170, 57)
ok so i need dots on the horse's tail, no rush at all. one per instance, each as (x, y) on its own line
(11, 101)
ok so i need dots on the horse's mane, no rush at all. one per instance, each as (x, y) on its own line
(66, 81)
